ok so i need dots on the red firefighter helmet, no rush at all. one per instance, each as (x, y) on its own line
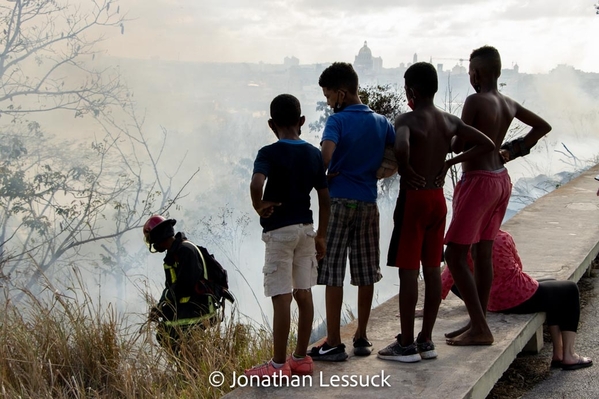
(158, 228)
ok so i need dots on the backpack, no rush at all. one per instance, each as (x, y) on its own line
(216, 284)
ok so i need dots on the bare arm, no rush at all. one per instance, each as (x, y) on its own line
(466, 133)
(324, 209)
(468, 116)
(522, 145)
(263, 208)
(327, 148)
(402, 148)
(539, 126)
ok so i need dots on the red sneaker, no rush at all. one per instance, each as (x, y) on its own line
(267, 370)
(303, 366)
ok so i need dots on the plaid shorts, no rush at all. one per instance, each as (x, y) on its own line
(354, 226)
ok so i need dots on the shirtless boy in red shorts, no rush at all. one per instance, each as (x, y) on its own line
(423, 139)
(481, 197)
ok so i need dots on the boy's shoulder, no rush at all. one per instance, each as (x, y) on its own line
(418, 115)
(354, 111)
(274, 149)
(487, 101)
(482, 96)
(421, 120)
(411, 120)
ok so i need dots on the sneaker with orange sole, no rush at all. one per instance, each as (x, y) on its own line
(267, 370)
(303, 366)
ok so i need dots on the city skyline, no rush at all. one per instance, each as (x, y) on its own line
(537, 35)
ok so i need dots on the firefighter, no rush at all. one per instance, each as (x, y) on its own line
(180, 306)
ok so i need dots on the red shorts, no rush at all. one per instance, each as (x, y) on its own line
(480, 200)
(419, 225)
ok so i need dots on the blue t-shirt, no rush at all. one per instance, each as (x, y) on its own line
(292, 168)
(360, 136)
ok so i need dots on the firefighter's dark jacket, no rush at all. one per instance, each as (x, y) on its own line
(183, 268)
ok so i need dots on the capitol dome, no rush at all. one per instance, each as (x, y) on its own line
(365, 51)
(365, 62)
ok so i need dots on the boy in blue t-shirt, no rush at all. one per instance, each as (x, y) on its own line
(291, 168)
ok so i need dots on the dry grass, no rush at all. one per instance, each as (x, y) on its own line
(63, 347)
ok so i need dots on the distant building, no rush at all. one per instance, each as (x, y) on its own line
(458, 70)
(415, 59)
(439, 68)
(364, 62)
(291, 61)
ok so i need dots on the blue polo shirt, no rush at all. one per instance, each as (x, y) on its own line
(360, 136)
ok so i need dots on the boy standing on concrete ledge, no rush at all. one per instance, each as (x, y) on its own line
(481, 197)
(352, 144)
(293, 168)
(422, 141)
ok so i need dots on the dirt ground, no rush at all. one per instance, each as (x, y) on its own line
(528, 370)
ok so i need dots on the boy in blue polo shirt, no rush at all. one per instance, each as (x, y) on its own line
(353, 144)
(291, 168)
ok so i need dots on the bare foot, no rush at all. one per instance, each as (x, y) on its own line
(469, 338)
(457, 332)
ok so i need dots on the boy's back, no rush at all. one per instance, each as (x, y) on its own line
(294, 168)
(423, 139)
(430, 132)
(492, 113)
(359, 135)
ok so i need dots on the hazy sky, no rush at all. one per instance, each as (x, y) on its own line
(536, 34)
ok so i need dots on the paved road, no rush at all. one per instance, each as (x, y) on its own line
(583, 383)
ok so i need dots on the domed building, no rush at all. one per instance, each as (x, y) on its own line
(365, 62)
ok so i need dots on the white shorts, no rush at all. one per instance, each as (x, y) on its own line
(290, 261)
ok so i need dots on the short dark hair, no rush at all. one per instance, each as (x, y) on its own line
(285, 110)
(339, 75)
(490, 57)
(422, 76)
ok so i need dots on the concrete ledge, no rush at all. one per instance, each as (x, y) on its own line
(536, 342)
(557, 236)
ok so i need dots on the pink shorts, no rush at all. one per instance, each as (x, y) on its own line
(480, 200)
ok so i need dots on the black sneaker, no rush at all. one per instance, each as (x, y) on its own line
(328, 353)
(398, 353)
(362, 347)
(426, 349)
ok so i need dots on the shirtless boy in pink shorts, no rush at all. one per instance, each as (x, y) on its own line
(481, 197)
(422, 141)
